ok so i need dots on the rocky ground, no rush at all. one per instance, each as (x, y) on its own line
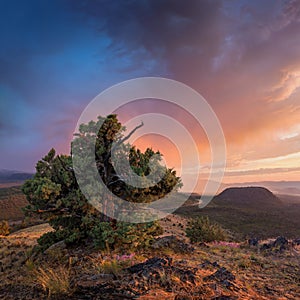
(172, 269)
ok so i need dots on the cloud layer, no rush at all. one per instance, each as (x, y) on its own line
(242, 56)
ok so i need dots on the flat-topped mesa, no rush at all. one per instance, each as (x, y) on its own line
(255, 197)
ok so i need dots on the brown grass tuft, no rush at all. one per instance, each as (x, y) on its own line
(54, 281)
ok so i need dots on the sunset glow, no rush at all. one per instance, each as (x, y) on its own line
(243, 57)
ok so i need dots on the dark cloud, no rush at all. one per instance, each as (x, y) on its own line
(174, 32)
(202, 43)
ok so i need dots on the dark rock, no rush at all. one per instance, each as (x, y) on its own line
(183, 262)
(207, 264)
(203, 245)
(281, 243)
(226, 284)
(215, 264)
(223, 276)
(253, 242)
(149, 272)
(59, 246)
(172, 242)
(296, 242)
(155, 262)
(269, 290)
(265, 247)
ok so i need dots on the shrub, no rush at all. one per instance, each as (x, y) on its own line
(4, 228)
(124, 236)
(202, 230)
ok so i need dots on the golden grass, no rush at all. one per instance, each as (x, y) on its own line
(54, 281)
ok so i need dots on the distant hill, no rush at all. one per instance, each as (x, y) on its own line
(250, 212)
(8, 176)
(277, 187)
(248, 197)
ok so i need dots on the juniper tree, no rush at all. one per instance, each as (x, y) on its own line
(54, 192)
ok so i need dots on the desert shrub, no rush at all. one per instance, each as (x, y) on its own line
(201, 229)
(54, 193)
(4, 228)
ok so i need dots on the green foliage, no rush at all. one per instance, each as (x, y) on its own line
(201, 229)
(54, 192)
(4, 228)
(50, 238)
(124, 236)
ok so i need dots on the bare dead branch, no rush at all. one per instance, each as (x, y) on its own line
(124, 139)
(130, 134)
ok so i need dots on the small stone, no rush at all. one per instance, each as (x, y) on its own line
(281, 243)
(253, 242)
(296, 242)
(57, 247)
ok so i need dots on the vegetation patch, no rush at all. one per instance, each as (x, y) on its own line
(201, 229)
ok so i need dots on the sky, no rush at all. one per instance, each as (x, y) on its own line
(243, 57)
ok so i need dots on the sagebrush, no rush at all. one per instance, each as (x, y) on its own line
(201, 229)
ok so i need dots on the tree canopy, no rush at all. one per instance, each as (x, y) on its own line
(54, 191)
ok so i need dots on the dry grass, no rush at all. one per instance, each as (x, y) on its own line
(106, 266)
(113, 264)
(15, 250)
(54, 281)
